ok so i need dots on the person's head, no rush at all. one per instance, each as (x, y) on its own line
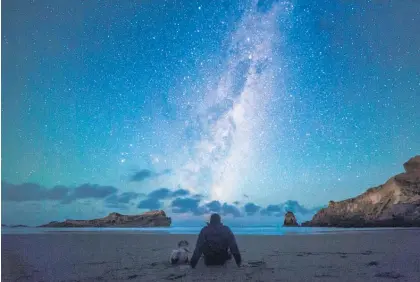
(215, 219)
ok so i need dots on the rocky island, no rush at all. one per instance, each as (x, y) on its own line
(147, 219)
(290, 219)
(396, 203)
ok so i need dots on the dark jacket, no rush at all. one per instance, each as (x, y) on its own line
(215, 234)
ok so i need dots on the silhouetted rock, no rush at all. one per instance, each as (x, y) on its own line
(412, 165)
(3, 225)
(147, 219)
(393, 204)
(18, 226)
(290, 219)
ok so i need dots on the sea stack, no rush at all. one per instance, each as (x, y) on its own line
(396, 203)
(290, 219)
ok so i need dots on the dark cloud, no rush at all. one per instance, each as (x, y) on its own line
(150, 204)
(31, 192)
(160, 194)
(147, 174)
(251, 208)
(92, 191)
(213, 206)
(57, 192)
(182, 200)
(230, 209)
(121, 200)
(272, 210)
(185, 205)
(34, 192)
(290, 205)
(154, 198)
(295, 207)
(165, 193)
(142, 175)
(180, 193)
(126, 197)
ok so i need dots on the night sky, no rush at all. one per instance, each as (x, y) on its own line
(247, 108)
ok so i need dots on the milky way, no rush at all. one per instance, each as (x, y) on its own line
(232, 117)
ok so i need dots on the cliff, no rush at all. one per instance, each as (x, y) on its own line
(147, 219)
(393, 204)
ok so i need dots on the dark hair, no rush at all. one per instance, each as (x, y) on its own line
(215, 218)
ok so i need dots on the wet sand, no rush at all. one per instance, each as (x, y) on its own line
(388, 255)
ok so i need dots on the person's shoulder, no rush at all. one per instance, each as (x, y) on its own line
(227, 228)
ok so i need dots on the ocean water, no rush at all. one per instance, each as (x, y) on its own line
(279, 231)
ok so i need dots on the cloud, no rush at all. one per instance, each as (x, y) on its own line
(31, 192)
(181, 201)
(230, 209)
(185, 205)
(160, 194)
(295, 207)
(276, 210)
(192, 205)
(150, 204)
(154, 199)
(290, 205)
(180, 193)
(198, 197)
(251, 208)
(142, 175)
(121, 200)
(92, 191)
(34, 192)
(147, 174)
(213, 206)
(165, 193)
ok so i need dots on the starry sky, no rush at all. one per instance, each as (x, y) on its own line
(247, 108)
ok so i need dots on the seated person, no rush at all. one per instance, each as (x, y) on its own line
(214, 242)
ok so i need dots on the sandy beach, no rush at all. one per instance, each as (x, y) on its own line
(74, 256)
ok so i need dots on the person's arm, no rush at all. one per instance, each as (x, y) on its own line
(233, 246)
(198, 249)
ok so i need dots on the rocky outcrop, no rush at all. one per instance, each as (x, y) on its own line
(290, 219)
(15, 226)
(147, 219)
(393, 204)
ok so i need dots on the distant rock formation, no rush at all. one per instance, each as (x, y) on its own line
(14, 226)
(147, 219)
(290, 219)
(393, 204)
